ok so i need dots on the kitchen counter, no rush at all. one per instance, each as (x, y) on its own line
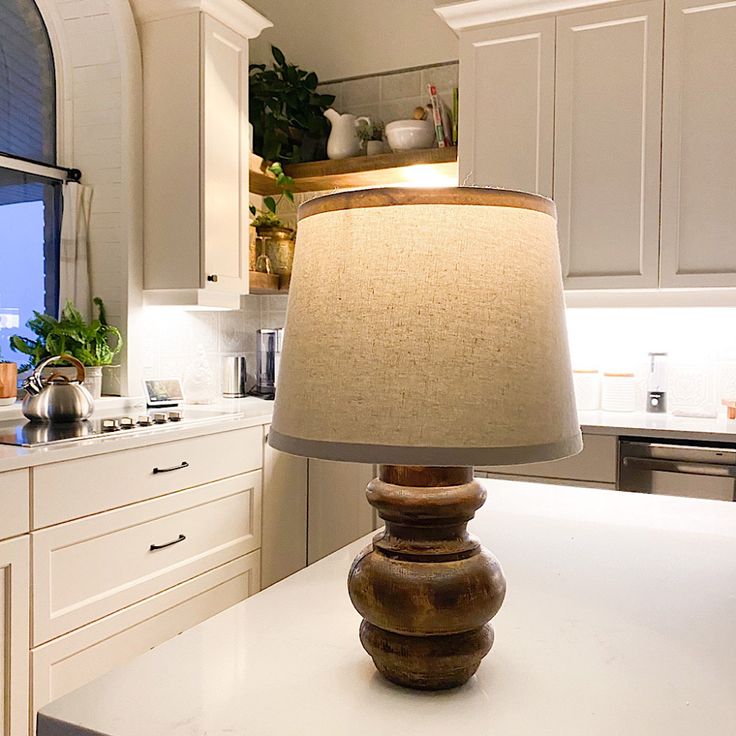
(644, 424)
(239, 413)
(618, 619)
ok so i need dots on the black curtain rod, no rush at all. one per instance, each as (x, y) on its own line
(71, 174)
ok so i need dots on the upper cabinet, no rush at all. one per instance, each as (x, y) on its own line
(699, 145)
(607, 145)
(196, 149)
(636, 122)
(507, 123)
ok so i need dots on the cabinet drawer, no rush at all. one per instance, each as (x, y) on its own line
(73, 660)
(596, 462)
(76, 488)
(14, 501)
(84, 570)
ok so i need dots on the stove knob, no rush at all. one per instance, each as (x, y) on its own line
(160, 417)
(144, 420)
(175, 416)
(127, 423)
(110, 425)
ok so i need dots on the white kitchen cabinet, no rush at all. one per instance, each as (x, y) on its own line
(339, 512)
(607, 145)
(14, 503)
(71, 661)
(86, 569)
(284, 547)
(596, 465)
(506, 127)
(699, 145)
(196, 152)
(14, 635)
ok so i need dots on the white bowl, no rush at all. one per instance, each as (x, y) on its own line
(406, 135)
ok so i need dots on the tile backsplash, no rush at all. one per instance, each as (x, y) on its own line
(174, 335)
(392, 96)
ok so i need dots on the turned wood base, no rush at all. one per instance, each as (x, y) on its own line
(426, 588)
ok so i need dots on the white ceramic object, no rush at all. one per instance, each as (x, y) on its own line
(618, 392)
(343, 141)
(587, 384)
(373, 148)
(407, 135)
(93, 380)
(8, 401)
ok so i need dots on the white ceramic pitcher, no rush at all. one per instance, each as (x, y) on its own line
(343, 141)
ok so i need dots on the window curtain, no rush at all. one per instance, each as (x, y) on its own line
(74, 272)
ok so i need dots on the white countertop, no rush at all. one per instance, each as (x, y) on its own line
(619, 619)
(240, 413)
(644, 424)
(252, 411)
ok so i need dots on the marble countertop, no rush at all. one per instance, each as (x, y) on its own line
(237, 414)
(618, 620)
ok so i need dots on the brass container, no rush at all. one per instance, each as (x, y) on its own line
(279, 247)
(8, 382)
(252, 255)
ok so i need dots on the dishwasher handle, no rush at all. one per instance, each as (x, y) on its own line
(680, 466)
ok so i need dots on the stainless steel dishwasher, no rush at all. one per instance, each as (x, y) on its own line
(677, 469)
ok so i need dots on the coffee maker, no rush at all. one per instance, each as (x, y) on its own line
(268, 355)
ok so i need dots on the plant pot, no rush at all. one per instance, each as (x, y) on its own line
(279, 247)
(8, 383)
(92, 376)
(373, 148)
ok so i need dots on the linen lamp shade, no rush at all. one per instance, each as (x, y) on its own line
(426, 327)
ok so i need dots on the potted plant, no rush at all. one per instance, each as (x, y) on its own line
(95, 344)
(8, 382)
(286, 111)
(370, 135)
(274, 241)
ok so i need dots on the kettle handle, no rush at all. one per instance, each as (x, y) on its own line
(81, 373)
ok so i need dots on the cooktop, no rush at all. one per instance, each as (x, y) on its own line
(22, 433)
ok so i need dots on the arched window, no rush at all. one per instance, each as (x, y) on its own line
(27, 84)
(30, 183)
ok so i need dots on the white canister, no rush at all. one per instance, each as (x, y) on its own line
(618, 392)
(587, 385)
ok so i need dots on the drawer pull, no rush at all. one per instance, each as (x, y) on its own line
(154, 547)
(183, 464)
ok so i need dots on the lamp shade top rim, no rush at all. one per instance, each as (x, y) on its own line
(397, 196)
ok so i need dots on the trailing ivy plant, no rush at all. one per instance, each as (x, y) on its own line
(285, 109)
(268, 217)
(96, 343)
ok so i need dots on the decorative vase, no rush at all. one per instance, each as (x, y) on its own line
(343, 141)
(8, 383)
(278, 246)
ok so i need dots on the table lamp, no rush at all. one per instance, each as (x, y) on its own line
(425, 332)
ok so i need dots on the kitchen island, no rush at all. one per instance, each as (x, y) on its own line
(618, 620)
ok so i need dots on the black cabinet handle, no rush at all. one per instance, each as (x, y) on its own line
(181, 466)
(212, 277)
(154, 547)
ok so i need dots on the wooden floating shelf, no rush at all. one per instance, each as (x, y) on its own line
(267, 283)
(385, 169)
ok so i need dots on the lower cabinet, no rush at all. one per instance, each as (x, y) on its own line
(339, 512)
(284, 549)
(73, 660)
(14, 635)
(595, 465)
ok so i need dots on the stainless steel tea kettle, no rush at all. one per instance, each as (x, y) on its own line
(58, 398)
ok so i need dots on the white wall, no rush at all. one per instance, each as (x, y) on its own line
(347, 38)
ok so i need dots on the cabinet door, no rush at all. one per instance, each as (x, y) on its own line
(699, 145)
(339, 512)
(284, 531)
(225, 156)
(607, 145)
(14, 636)
(507, 99)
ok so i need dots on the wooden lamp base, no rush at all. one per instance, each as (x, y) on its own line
(426, 588)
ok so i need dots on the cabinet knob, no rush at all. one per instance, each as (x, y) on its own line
(212, 277)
